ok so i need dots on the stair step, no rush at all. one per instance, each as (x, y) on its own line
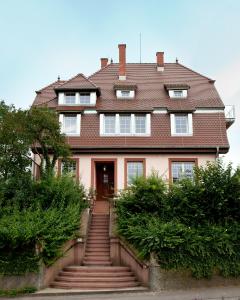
(97, 263)
(93, 285)
(101, 253)
(95, 279)
(96, 274)
(97, 269)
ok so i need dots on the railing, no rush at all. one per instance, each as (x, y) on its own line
(229, 114)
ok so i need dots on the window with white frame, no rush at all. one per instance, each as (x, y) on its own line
(110, 124)
(125, 124)
(70, 98)
(78, 98)
(182, 170)
(181, 124)
(134, 169)
(125, 94)
(140, 123)
(178, 94)
(69, 167)
(70, 123)
(85, 98)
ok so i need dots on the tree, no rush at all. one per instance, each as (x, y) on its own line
(47, 140)
(21, 131)
(14, 142)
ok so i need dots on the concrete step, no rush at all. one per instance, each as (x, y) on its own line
(93, 285)
(76, 268)
(96, 279)
(96, 274)
(97, 263)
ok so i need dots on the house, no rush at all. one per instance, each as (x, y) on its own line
(129, 119)
(126, 120)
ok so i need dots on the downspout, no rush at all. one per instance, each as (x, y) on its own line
(217, 152)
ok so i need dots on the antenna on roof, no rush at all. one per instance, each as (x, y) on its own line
(140, 47)
(111, 60)
(58, 78)
(176, 60)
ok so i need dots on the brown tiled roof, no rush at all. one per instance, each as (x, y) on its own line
(77, 82)
(209, 130)
(172, 86)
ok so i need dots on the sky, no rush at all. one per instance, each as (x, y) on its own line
(41, 40)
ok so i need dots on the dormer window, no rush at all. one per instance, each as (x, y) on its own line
(125, 94)
(77, 98)
(85, 98)
(178, 94)
(70, 98)
(177, 90)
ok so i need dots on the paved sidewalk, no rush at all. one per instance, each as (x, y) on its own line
(218, 293)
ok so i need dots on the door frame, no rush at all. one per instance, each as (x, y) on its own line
(93, 171)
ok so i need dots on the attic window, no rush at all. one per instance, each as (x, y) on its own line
(178, 94)
(84, 98)
(125, 94)
(70, 98)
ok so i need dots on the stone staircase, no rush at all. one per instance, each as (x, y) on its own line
(97, 271)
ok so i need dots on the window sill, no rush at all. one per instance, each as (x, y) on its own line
(125, 135)
(71, 134)
(182, 134)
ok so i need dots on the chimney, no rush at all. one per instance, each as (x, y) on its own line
(160, 61)
(104, 62)
(122, 62)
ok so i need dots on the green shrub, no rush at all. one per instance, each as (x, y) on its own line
(144, 195)
(46, 222)
(193, 225)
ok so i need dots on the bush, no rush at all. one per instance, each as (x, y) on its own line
(144, 195)
(45, 222)
(195, 224)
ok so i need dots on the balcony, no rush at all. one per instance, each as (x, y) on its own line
(229, 115)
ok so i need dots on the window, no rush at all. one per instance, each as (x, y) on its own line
(140, 123)
(125, 124)
(178, 94)
(85, 98)
(181, 124)
(134, 168)
(69, 167)
(109, 124)
(70, 123)
(70, 98)
(182, 170)
(125, 93)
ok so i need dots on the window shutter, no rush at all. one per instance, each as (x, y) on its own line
(78, 124)
(101, 127)
(61, 98)
(172, 121)
(148, 124)
(61, 121)
(93, 98)
(190, 124)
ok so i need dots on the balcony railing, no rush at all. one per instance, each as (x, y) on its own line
(229, 115)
